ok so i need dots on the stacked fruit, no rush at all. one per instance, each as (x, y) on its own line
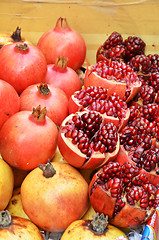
(54, 131)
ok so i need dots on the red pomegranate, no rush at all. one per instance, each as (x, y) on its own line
(9, 101)
(122, 193)
(85, 141)
(28, 139)
(112, 108)
(63, 41)
(22, 65)
(115, 76)
(53, 98)
(63, 77)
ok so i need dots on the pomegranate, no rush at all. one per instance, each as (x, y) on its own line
(122, 193)
(63, 77)
(8, 38)
(13, 227)
(113, 109)
(28, 138)
(22, 65)
(97, 228)
(58, 196)
(113, 48)
(86, 141)
(139, 141)
(114, 76)
(63, 41)
(53, 98)
(9, 101)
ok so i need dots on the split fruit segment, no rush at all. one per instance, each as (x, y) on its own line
(86, 141)
(122, 193)
(92, 98)
(115, 76)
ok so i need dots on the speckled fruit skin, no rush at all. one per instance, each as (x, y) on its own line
(56, 201)
(81, 230)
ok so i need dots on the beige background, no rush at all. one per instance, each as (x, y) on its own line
(95, 20)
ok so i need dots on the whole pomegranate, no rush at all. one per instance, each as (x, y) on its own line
(22, 65)
(9, 101)
(112, 108)
(86, 141)
(63, 41)
(115, 76)
(53, 98)
(28, 138)
(97, 228)
(63, 77)
(122, 193)
(58, 196)
(13, 227)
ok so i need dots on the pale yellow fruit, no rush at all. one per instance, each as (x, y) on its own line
(80, 229)
(89, 214)
(6, 184)
(18, 228)
(15, 205)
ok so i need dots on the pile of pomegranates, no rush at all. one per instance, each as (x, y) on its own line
(55, 129)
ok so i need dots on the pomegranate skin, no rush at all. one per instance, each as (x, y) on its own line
(9, 101)
(26, 142)
(63, 78)
(123, 157)
(63, 41)
(55, 101)
(22, 68)
(56, 201)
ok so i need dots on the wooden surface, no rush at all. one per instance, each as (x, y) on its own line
(95, 20)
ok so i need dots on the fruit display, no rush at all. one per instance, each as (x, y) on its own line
(79, 142)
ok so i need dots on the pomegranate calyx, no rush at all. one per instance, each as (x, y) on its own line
(39, 113)
(61, 62)
(43, 89)
(5, 219)
(61, 24)
(16, 35)
(99, 223)
(22, 47)
(48, 169)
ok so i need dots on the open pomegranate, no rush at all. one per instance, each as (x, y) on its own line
(115, 76)
(139, 141)
(86, 141)
(112, 108)
(122, 193)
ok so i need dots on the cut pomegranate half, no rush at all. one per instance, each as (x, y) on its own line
(112, 108)
(86, 141)
(122, 193)
(115, 76)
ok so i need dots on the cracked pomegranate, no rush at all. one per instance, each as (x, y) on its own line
(115, 76)
(112, 108)
(86, 141)
(122, 193)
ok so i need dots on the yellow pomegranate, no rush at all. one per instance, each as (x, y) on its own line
(96, 229)
(17, 228)
(15, 205)
(7, 38)
(6, 184)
